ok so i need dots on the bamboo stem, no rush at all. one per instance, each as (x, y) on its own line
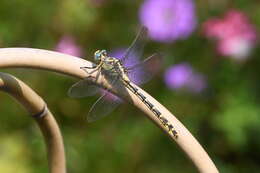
(66, 64)
(44, 118)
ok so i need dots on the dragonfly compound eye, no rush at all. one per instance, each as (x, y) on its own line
(97, 55)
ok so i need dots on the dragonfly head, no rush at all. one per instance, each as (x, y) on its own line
(99, 54)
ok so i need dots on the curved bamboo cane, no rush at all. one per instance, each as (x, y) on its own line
(66, 64)
(38, 110)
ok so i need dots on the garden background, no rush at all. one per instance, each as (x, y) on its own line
(208, 78)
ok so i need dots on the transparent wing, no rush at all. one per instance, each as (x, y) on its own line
(137, 46)
(83, 88)
(104, 105)
(143, 71)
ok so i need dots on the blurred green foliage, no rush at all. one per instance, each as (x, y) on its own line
(225, 118)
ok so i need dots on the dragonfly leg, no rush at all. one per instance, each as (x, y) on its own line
(89, 67)
(94, 69)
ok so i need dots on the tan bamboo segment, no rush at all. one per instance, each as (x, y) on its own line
(44, 118)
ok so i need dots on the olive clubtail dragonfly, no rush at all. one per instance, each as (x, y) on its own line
(116, 71)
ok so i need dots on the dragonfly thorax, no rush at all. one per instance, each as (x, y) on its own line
(115, 67)
(111, 63)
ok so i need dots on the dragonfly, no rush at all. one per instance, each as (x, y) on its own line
(118, 73)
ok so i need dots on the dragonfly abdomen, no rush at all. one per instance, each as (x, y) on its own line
(156, 112)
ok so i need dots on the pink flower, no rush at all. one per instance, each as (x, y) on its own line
(235, 35)
(236, 47)
(67, 45)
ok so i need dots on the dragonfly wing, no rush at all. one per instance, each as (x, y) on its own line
(106, 103)
(137, 46)
(142, 72)
(83, 88)
(103, 106)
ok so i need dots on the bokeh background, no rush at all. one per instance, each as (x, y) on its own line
(209, 79)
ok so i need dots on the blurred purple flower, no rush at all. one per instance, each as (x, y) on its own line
(67, 45)
(178, 76)
(182, 76)
(235, 35)
(168, 20)
(197, 83)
